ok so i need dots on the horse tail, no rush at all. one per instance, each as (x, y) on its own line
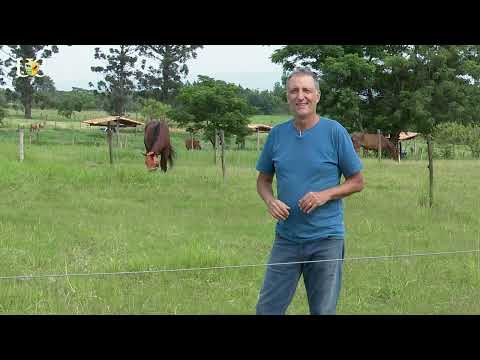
(171, 155)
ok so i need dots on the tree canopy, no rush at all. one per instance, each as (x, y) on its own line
(392, 87)
(210, 105)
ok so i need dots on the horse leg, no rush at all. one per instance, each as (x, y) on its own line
(163, 161)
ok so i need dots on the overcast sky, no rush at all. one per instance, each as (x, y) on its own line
(246, 65)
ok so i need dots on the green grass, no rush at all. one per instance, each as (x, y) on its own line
(65, 209)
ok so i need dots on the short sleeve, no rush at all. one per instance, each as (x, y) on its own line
(348, 159)
(265, 161)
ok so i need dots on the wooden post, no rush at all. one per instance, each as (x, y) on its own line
(109, 140)
(20, 143)
(258, 139)
(379, 145)
(430, 167)
(222, 138)
(30, 136)
(118, 133)
(215, 148)
(400, 150)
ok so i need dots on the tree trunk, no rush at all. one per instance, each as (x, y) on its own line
(394, 138)
(28, 109)
(27, 96)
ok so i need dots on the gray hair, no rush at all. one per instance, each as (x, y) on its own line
(307, 72)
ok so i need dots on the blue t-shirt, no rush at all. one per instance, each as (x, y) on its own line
(312, 160)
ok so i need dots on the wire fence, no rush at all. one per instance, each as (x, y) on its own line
(222, 267)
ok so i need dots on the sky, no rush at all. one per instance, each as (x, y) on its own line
(246, 65)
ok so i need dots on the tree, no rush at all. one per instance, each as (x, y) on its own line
(119, 73)
(153, 109)
(346, 77)
(264, 102)
(453, 133)
(210, 105)
(393, 87)
(25, 86)
(162, 81)
(3, 105)
(67, 105)
(2, 73)
(44, 92)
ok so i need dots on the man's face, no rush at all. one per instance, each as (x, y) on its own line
(302, 96)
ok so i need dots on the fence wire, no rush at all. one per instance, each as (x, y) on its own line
(222, 267)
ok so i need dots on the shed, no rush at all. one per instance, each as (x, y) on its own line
(259, 127)
(113, 121)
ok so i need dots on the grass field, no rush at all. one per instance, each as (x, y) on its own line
(64, 209)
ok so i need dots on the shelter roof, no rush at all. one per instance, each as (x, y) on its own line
(113, 120)
(406, 135)
(260, 127)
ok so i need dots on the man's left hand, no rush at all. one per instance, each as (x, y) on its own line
(312, 200)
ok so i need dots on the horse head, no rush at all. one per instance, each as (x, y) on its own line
(151, 161)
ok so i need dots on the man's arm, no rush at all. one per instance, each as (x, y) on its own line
(276, 208)
(312, 200)
(351, 185)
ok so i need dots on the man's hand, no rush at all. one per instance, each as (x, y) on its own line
(312, 200)
(278, 209)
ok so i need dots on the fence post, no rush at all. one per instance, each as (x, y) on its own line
(222, 138)
(215, 148)
(258, 139)
(109, 140)
(118, 133)
(430, 167)
(379, 145)
(20, 146)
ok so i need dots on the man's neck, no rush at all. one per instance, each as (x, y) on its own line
(303, 123)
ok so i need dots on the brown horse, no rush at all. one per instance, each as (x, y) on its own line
(192, 144)
(36, 127)
(370, 142)
(157, 142)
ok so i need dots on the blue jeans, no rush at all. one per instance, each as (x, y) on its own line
(322, 279)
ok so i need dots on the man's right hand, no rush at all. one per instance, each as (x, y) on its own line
(278, 209)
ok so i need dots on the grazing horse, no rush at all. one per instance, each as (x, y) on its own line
(192, 144)
(157, 142)
(36, 127)
(370, 142)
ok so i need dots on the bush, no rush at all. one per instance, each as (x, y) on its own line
(447, 134)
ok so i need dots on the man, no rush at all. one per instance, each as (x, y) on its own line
(308, 154)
